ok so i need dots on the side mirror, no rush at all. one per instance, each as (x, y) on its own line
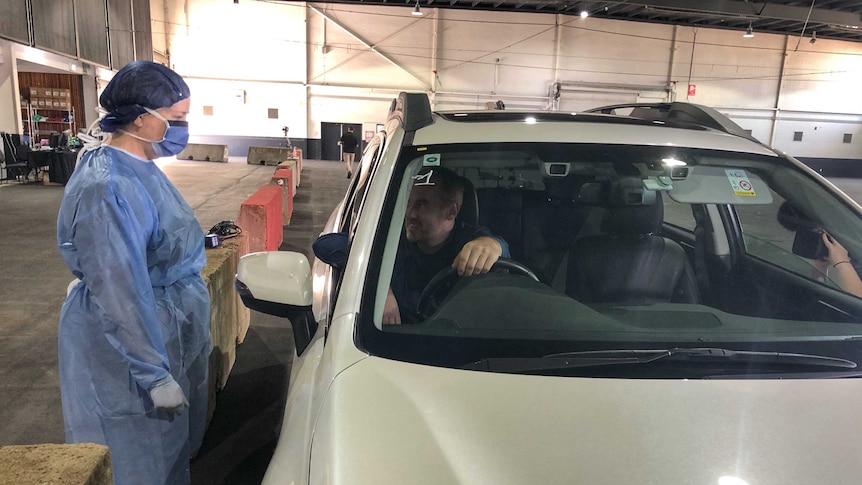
(332, 249)
(279, 283)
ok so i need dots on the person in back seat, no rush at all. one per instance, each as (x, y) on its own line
(845, 273)
(811, 241)
(434, 239)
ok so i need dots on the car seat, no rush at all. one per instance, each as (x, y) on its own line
(469, 212)
(630, 262)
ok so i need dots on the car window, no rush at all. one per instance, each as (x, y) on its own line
(769, 236)
(588, 268)
(358, 188)
(678, 214)
(766, 238)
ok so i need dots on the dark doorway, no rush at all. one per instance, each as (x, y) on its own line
(330, 133)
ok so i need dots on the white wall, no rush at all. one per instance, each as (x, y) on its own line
(241, 108)
(242, 60)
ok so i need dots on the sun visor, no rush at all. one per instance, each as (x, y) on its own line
(721, 185)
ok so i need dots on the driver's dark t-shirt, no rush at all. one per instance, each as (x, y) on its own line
(414, 269)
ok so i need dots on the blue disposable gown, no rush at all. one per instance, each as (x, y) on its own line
(140, 312)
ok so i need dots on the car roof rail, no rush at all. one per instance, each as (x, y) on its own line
(413, 109)
(680, 112)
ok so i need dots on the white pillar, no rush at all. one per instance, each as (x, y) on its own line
(10, 108)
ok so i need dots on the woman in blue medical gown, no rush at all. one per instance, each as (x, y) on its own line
(134, 337)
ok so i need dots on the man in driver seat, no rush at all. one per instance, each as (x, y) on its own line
(433, 240)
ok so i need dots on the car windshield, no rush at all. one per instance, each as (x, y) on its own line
(619, 248)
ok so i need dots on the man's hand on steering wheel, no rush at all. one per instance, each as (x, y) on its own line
(430, 297)
(477, 256)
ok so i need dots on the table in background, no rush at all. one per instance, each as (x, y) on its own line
(60, 163)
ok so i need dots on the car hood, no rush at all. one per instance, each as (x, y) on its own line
(387, 422)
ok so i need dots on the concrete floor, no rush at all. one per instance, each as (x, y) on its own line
(242, 434)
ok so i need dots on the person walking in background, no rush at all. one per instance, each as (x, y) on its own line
(348, 142)
(134, 338)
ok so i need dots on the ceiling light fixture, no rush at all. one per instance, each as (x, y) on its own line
(749, 32)
(813, 38)
(416, 10)
(584, 14)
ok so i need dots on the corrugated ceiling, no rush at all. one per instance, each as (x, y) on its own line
(830, 19)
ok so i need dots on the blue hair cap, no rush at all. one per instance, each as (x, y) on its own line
(139, 85)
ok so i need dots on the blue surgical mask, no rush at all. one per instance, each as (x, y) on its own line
(175, 139)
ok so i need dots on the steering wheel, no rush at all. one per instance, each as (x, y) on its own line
(428, 301)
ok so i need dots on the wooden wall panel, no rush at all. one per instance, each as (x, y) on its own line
(73, 83)
(54, 26)
(13, 21)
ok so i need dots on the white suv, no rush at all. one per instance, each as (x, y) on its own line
(678, 307)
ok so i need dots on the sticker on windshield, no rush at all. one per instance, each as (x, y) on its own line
(431, 160)
(741, 183)
(423, 179)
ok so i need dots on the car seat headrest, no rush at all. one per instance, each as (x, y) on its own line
(634, 220)
(469, 212)
(622, 192)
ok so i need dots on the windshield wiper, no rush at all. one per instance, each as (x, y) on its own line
(597, 358)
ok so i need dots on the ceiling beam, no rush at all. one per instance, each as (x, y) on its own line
(373, 48)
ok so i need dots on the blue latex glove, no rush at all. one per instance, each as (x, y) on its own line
(168, 396)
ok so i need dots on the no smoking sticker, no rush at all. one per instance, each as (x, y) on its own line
(740, 183)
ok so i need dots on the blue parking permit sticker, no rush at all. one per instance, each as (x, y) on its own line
(431, 160)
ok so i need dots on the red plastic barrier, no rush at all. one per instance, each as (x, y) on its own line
(260, 218)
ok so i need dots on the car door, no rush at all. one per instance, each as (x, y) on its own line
(344, 220)
(311, 372)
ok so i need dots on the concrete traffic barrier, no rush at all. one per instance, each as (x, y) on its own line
(283, 178)
(205, 152)
(229, 318)
(260, 219)
(239, 248)
(75, 464)
(268, 155)
(296, 163)
(297, 153)
(291, 164)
